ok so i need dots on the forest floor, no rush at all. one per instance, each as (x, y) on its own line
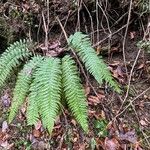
(116, 121)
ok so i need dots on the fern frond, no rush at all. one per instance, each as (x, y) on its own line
(74, 92)
(22, 85)
(32, 109)
(46, 89)
(96, 66)
(11, 58)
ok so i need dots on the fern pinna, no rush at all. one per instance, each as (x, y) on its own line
(11, 59)
(96, 66)
(22, 85)
(74, 91)
(43, 79)
(47, 84)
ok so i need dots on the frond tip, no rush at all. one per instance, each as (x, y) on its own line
(11, 58)
(74, 92)
(96, 66)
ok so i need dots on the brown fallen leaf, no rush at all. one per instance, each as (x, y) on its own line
(94, 100)
(4, 126)
(111, 144)
(53, 48)
(6, 99)
(57, 126)
(40, 145)
(132, 35)
(137, 146)
(91, 113)
(141, 66)
(129, 136)
(143, 123)
(87, 90)
(3, 136)
(82, 146)
(36, 133)
(38, 125)
(119, 74)
(115, 63)
(73, 122)
(6, 145)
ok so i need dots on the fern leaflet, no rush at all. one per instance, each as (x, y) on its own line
(10, 59)
(74, 92)
(96, 66)
(22, 86)
(46, 89)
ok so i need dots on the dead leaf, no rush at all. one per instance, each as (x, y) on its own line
(114, 49)
(103, 114)
(6, 145)
(115, 63)
(57, 126)
(24, 108)
(129, 136)
(53, 48)
(4, 126)
(6, 99)
(132, 35)
(36, 133)
(38, 125)
(143, 123)
(141, 66)
(73, 122)
(82, 146)
(98, 50)
(75, 139)
(3, 136)
(94, 100)
(40, 145)
(111, 144)
(54, 45)
(119, 74)
(137, 146)
(91, 112)
(87, 90)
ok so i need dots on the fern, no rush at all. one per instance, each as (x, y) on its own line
(22, 86)
(96, 66)
(47, 84)
(45, 80)
(11, 58)
(74, 92)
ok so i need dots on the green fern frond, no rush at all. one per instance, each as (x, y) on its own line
(11, 58)
(74, 92)
(32, 109)
(46, 90)
(96, 66)
(22, 86)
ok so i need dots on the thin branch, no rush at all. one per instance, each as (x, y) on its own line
(125, 35)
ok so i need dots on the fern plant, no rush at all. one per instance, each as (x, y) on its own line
(43, 79)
